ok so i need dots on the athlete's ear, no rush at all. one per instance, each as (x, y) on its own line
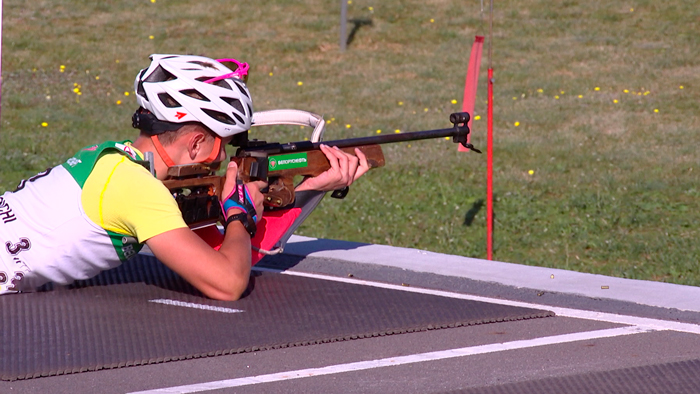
(195, 143)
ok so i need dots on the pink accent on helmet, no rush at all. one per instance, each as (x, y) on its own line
(241, 71)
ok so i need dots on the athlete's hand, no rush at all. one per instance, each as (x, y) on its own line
(254, 195)
(345, 169)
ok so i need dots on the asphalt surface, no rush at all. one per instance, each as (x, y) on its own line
(637, 324)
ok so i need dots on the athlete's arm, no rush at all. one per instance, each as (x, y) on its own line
(222, 274)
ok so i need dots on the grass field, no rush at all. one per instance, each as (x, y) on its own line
(596, 113)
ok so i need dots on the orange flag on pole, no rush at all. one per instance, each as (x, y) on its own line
(471, 84)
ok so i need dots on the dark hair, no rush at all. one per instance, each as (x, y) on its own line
(167, 132)
(169, 137)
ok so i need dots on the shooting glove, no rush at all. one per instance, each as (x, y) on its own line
(240, 198)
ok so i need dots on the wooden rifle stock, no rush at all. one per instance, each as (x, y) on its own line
(280, 192)
(197, 193)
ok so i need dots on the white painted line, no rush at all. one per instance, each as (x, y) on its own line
(196, 306)
(402, 360)
(655, 324)
(659, 294)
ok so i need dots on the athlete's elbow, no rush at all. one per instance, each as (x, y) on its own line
(233, 295)
(227, 291)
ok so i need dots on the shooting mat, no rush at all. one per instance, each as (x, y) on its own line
(143, 313)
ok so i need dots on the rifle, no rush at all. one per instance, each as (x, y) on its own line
(198, 191)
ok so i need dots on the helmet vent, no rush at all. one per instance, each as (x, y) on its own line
(139, 86)
(168, 101)
(203, 64)
(160, 75)
(141, 91)
(235, 103)
(250, 110)
(242, 89)
(219, 116)
(220, 83)
(194, 94)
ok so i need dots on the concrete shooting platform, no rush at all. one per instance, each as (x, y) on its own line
(648, 293)
(608, 335)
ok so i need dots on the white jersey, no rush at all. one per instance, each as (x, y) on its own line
(46, 235)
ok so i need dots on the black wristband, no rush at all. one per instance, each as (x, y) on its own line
(246, 220)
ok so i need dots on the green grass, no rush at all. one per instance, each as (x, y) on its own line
(615, 187)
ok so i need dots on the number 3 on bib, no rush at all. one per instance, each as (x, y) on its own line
(15, 249)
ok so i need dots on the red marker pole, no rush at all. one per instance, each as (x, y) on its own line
(489, 169)
(489, 147)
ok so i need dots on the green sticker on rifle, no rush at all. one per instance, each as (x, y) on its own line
(286, 162)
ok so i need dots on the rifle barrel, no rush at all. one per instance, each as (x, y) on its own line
(460, 133)
(398, 137)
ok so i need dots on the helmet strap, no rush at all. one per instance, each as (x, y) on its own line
(214, 152)
(161, 151)
(170, 163)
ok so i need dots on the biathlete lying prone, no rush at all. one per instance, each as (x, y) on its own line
(102, 205)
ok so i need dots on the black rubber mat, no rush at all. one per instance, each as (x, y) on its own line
(672, 378)
(141, 313)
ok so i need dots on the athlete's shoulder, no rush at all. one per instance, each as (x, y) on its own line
(95, 151)
(82, 164)
(133, 169)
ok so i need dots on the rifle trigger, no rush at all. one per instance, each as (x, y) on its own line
(340, 193)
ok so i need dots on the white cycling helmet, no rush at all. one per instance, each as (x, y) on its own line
(178, 89)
